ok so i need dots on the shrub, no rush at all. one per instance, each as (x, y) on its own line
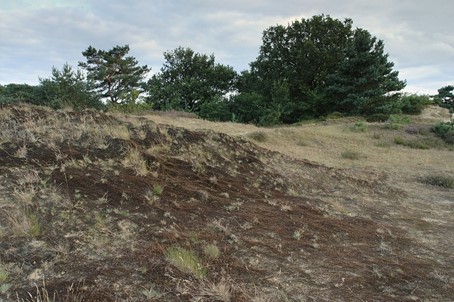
(377, 118)
(335, 115)
(398, 140)
(396, 121)
(359, 127)
(445, 130)
(423, 144)
(412, 130)
(440, 181)
(216, 110)
(399, 119)
(414, 104)
(349, 154)
(258, 136)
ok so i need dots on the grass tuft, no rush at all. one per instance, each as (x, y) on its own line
(158, 189)
(258, 136)
(134, 160)
(186, 261)
(211, 251)
(3, 273)
(349, 154)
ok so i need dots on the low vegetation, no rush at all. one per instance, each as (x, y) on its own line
(440, 181)
(445, 130)
(187, 261)
(115, 207)
(349, 154)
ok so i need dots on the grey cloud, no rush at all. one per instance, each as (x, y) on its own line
(34, 38)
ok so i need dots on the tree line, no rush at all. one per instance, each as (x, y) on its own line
(309, 68)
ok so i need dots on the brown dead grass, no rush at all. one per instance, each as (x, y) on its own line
(280, 219)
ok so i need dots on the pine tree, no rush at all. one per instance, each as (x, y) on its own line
(364, 81)
(113, 74)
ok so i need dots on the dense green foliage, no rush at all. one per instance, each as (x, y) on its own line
(67, 87)
(188, 81)
(64, 88)
(363, 82)
(445, 131)
(414, 104)
(113, 74)
(445, 97)
(311, 68)
(317, 66)
(20, 93)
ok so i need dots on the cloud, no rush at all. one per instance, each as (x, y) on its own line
(37, 35)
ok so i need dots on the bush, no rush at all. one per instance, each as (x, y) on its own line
(359, 127)
(440, 181)
(349, 154)
(445, 130)
(396, 121)
(377, 118)
(258, 136)
(414, 104)
(335, 115)
(423, 143)
(216, 110)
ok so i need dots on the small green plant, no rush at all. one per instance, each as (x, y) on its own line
(258, 136)
(440, 181)
(3, 273)
(297, 234)
(186, 261)
(359, 127)
(349, 154)
(4, 288)
(211, 251)
(158, 189)
(152, 294)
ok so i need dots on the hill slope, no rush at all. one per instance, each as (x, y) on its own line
(98, 207)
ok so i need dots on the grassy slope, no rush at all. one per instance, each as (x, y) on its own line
(114, 207)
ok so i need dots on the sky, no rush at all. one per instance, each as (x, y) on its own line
(36, 35)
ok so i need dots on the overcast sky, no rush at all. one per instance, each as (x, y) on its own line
(38, 34)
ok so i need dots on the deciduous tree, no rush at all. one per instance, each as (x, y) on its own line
(188, 80)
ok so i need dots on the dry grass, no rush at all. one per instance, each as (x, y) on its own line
(272, 222)
(135, 161)
(118, 131)
(323, 142)
(221, 291)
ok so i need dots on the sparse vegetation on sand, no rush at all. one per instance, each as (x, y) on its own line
(115, 207)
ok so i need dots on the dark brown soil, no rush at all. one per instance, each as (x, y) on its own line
(104, 234)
